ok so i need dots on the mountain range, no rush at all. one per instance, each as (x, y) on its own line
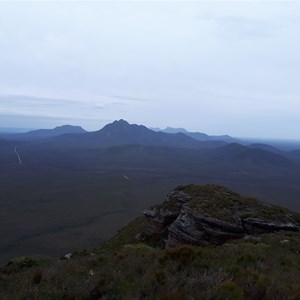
(121, 132)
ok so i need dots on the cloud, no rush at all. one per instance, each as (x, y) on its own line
(134, 99)
(100, 106)
(47, 107)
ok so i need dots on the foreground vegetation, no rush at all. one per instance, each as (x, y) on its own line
(264, 267)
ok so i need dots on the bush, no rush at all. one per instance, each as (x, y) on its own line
(160, 276)
(21, 263)
(175, 295)
(247, 260)
(181, 254)
(229, 290)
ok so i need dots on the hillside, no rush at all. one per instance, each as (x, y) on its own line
(261, 263)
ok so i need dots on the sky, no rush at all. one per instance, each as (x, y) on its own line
(219, 67)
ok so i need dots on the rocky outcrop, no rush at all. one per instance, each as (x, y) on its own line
(192, 227)
(213, 214)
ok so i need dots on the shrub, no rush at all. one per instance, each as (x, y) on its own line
(21, 263)
(229, 290)
(175, 295)
(160, 276)
(254, 283)
(181, 254)
(37, 278)
(247, 260)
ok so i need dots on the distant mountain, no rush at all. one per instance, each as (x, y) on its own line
(155, 128)
(201, 136)
(65, 129)
(121, 132)
(46, 133)
(174, 130)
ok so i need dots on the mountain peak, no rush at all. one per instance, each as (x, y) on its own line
(121, 132)
(122, 121)
(117, 125)
(121, 129)
(174, 130)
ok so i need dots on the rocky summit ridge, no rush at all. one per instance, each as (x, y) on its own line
(199, 215)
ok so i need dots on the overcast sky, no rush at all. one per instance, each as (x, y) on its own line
(215, 67)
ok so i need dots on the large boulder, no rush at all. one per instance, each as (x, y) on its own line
(213, 214)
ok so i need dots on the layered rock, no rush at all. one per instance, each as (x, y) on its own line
(160, 216)
(213, 214)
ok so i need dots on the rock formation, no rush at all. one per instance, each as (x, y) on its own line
(213, 214)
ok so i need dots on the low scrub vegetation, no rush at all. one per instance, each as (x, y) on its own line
(265, 268)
